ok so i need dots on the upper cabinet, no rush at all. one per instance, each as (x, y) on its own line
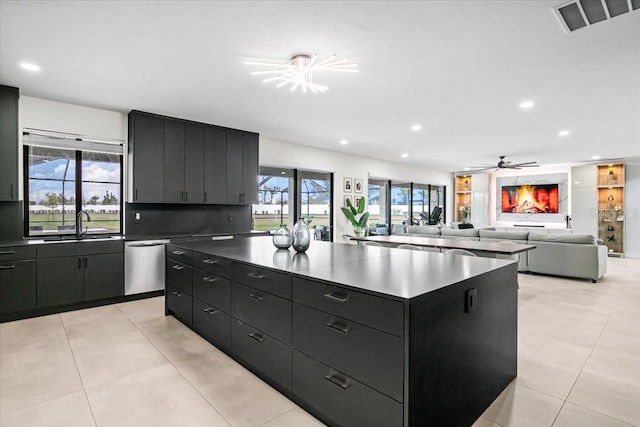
(8, 143)
(192, 162)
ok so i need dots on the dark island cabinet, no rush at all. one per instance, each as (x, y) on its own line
(146, 154)
(75, 272)
(8, 143)
(414, 355)
(17, 279)
(191, 162)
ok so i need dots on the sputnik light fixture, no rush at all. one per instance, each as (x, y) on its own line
(298, 72)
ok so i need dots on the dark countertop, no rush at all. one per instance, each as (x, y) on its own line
(399, 273)
(104, 238)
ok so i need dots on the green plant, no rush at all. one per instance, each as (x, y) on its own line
(356, 215)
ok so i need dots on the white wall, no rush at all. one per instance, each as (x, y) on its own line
(42, 114)
(632, 209)
(282, 154)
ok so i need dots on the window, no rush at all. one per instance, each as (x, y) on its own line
(420, 202)
(378, 201)
(273, 208)
(400, 202)
(65, 174)
(284, 195)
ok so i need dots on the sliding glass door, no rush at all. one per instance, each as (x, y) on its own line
(315, 193)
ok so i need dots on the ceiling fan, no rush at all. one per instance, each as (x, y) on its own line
(505, 164)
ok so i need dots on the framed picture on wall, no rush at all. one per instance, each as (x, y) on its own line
(347, 199)
(357, 200)
(357, 185)
(348, 185)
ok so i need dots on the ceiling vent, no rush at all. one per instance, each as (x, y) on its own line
(582, 13)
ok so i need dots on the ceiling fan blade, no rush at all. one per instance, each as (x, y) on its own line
(525, 164)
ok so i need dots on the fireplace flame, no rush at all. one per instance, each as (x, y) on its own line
(531, 199)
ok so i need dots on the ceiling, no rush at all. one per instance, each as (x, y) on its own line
(460, 69)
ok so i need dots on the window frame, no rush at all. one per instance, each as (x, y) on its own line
(78, 159)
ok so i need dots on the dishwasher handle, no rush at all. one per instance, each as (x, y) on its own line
(143, 245)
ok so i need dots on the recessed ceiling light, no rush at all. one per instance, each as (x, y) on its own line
(416, 128)
(467, 169)
(404, 155)
(576, 182)
(526, 105)
(563, 133)
(344, 142)
(30, 66)
(595, 157)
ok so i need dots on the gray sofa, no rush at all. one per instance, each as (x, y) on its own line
(570, 255)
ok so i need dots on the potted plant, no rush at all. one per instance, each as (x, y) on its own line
(357, 216)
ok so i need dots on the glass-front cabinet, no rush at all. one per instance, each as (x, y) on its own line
(611, 207)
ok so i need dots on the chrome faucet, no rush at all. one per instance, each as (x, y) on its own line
(79, 232)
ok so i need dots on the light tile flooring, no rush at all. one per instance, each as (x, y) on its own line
(128, 364)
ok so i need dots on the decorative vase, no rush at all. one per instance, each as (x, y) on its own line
(282, 238)
(301, 236)
(360, 231)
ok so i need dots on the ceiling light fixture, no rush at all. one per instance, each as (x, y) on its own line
(525, 105)
(404, 155)
(416, 128)
(344, 142)
(563, 133)
(299, 71)
(595, 157)
(30, 66)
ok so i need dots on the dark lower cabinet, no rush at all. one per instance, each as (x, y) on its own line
(340, 398)
(103, 276)
(212, 323)
(17, 286)
(265, 353)
(180, 303)
(60, 281)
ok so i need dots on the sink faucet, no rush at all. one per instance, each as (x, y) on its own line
(79, 232)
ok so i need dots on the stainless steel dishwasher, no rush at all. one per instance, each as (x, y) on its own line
(144, 266)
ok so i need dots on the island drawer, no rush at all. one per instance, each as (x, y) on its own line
(212, 323)
(380, 313)
(212, 289)
(180, 303)
(180, 255)
(262, 310)
(371, 356)
(342, 399)
(212, 264)
(262, 278)
(180, 276)
(263, 352)
(12, 253)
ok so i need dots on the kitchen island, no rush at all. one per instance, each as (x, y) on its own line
(356, 335)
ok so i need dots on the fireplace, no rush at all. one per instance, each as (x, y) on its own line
(530, 199)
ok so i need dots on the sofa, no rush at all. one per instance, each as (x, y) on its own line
(559, 254)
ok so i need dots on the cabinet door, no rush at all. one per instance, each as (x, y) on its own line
(194, 164)
(17, 286)
(8, 143)
(250, 168)
(173, 169)
(215, 165)
(234, 167)
(59, 281)
(148, 148)
(103, 276)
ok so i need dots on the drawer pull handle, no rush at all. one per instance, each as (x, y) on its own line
(337, 327)
(256, 337)
(210, 279)
(7, 267)
(178, 252)
(337, 297)
(178, 267)
(256, 297)
(337, 381)
(178, 294)
(255, 275)
(7, 252)
(210, 261)
(210, 311)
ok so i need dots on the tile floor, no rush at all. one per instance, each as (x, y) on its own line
(128, 364)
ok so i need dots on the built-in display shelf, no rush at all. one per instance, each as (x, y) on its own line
(611, 208)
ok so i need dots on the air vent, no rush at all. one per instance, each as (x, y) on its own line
(582, 13)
